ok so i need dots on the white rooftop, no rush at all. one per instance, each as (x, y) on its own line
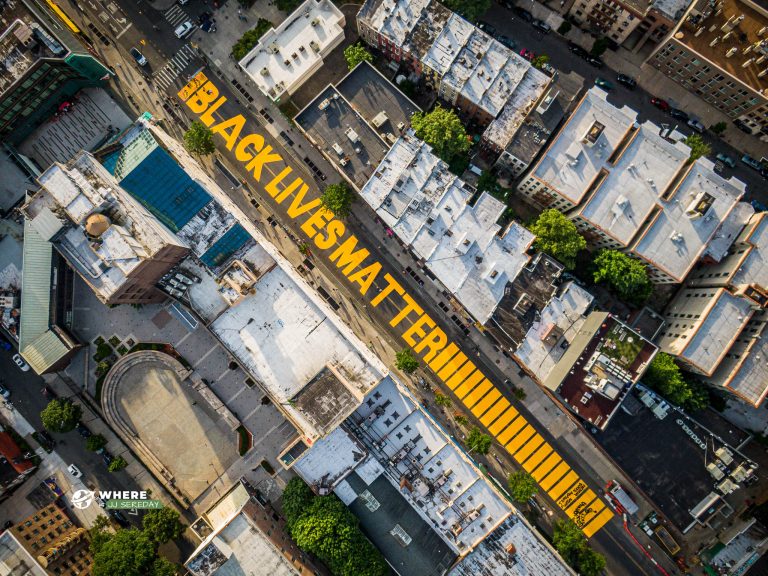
(565, 311)
(447, 44)
(754, 269)
(746, 373)
(584, 145)
(632, 189)
(426, 206)
(671, 8)
(396, 18)
(285, 56)
(679, 234)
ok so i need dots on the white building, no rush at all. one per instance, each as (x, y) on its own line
(415, 194)
(288, 55)
(627, 187)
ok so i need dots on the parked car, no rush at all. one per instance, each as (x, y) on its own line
(596, 62)
(4, 392)
(726, 160)
(44, 439)
(696, 125)
(604, 84)
(8, 524)
(542, 26)
(19, 361)
(660, 104)
(184, 29)
(119, 517)
(527, 54)
(679, 114)
(507, 41)
(627, 81)
(139, 57)
(489, 29)
(578, 50)
(107, 457)
(5, 345)
(75, 471)
(523, 14)
(208, 26)
(83, 430)
(752, 162)
(549, 69)
(741, 125)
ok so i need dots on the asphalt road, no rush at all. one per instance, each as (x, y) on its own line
(623, 556)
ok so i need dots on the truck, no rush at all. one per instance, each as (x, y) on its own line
(621, 500)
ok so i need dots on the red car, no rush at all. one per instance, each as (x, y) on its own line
(661, 104)
(527, 54)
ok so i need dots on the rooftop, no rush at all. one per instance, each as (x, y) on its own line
(607, 364)
(102, 231)
(415, 194)
(549, 336)
(286, 55)
(397, 19)
(672, 9)
(754, 268)
(723, 38)
(583, 146)
(15, 559)
(334, 126)
(513, 549)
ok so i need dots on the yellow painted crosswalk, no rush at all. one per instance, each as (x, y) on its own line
(496, 411)
(480, 408)
(503, 421)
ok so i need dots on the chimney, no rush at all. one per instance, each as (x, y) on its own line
(731, 52)
(715, 40)
(747, 62)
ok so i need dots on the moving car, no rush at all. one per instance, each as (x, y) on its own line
(679, 114)
(661, 104)
(726, 160)
(542, 26)
(139, 57)
(627, 81)
(75, 471)
(604, 84)
(184, 29)
(696, 125)
(596, 62)
(20, 363)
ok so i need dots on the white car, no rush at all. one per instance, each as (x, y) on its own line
(696, 125)
(20, 363)
(184, 30)
(75, 471)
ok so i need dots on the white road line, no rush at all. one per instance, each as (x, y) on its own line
(196, 364)
(236, 394)
(124, 30)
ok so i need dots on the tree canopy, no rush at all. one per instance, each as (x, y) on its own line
(95, 442)
(698, 147)
(297, 497)
(356, 53)
(251, 37)
(162, 525)
(61, 415)
(198, 139)
(522, 486)
(126, 552)
(117, 464)
(572, 546)
(470, 9)
(664, 376)
(479, 442)
(338, 198)
(558, 236)
(539, 61)
(406, 361)
(626, 276)
(443, 130)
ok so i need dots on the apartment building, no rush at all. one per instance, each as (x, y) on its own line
(488, 83)
(716, 324)
(628, 187)
(111, 240)
(44, 62)
(286, 56)
(719, 52)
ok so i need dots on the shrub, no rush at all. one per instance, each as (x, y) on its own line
(248, 40)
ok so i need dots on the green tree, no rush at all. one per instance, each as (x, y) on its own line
(287, 5)
(626, 276)
(443, 400)
(95, 442)
(163, 567)
(338, 198)
(590, 563)
(297, 497)
(99, 533)
(248, 40)
(487, 182)
(718, 129)
(356, 53)
(539, 61)
(664, 376)
(478, 442)
(162, 525)
(698, 147)
(61, 415)
(470, 9)
(127, 553)
(558, 236)
(699, 399)
(462, 420)
(599, 46)
(572, 546)
(406, 361)
(117, 464)
(564, 28)
(522, 486)
(444, 131)
(198, 139)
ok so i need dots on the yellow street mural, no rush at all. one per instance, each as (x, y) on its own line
(331, 237)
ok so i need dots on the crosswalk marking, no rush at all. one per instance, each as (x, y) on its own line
(453, 364)
(480, 408)
(175, 15)
(517, 442)
(570, 479)
(166, 76)
(511, 430)
(495, 411)
(503, 420)
(462, 374)
(546, 467)
(469, 384)
(553, 477)
(596, 522)
(538, 457)
(476, 394)
(586, 498)
(530, 447)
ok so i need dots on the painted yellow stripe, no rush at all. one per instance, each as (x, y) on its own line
(440, 360)
(486, 402)
(453, 364)
(598, 522)
(469, 383)
(545, 468)
(461, 375)
(537, 457)
(531, 446)
(554, 476)
(502, 421)
(564, 490)
(494, 412)
(580, 503)
(569, 480)
(518, 441)
(512, 430)
(477, 394)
